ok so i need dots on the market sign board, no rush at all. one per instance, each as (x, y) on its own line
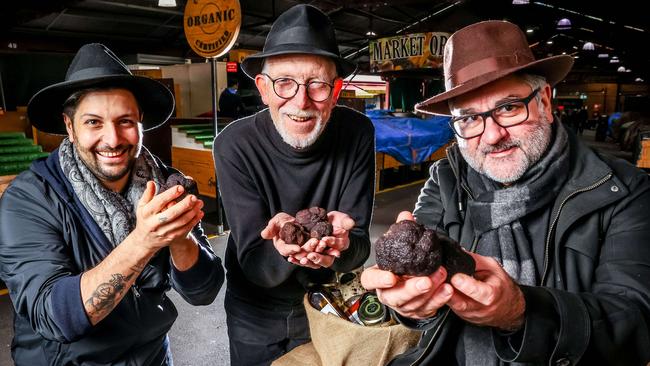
(409, 51)
(211, 26)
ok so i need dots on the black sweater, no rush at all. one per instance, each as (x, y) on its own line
(260, 175)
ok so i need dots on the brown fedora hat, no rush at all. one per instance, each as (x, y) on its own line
(484, 52)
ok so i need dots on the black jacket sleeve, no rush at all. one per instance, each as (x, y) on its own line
(200, 284)
(609, 322)
(36, 263)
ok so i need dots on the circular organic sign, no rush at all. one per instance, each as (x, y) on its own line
(211, 26)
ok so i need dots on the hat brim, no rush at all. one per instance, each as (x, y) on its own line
(554, 69)
(252, 65)
(155, 100)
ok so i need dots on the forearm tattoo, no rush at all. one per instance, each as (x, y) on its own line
(107, 295)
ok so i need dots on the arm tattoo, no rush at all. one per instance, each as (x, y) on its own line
(104, 298)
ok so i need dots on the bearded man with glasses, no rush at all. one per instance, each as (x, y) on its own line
(302, 151)
(558, 232)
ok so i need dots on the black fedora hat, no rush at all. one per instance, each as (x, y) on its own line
(95, 66)
(301, 29)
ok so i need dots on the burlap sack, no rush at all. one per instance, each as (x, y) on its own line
(338, 342)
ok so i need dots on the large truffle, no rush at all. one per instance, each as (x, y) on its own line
(408, 248)
(310, 223)
(175, 179)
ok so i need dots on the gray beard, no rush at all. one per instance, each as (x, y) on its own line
(535, 146)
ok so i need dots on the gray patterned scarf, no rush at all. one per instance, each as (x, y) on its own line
(495, 213)
(113, 212)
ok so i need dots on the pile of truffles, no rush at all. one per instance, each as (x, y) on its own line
(409, 248)
(175, 179)
(310, 223)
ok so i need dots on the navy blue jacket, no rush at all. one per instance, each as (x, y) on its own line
(47, 240)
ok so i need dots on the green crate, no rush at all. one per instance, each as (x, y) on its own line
(24, 157)
(20, 149)
(15, 141)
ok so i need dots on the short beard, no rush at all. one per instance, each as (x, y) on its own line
(296, 141)
(533, 148)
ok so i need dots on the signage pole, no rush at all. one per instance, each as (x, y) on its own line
(213, 74)
(211, 36)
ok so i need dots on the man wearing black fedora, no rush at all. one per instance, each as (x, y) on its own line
(91, 239)
(302, 151)
(559, 233)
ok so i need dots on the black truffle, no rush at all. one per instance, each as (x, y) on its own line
(310, 223)
(321, 229)
(409, 248)
(311, 216)
(293, 233)
(178, 179)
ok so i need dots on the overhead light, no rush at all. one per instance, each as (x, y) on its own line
(167, 3)
(563, 24)
(588, 46)
(520, 2)
(603, 55)
(370, 33)
(576, 56)
(529, 30)
(628, 70)
(621, 69)
(613, 61)
(564, 53)
(638, 80)
(550, 41)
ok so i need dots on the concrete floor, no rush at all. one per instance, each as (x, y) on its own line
(199, 336)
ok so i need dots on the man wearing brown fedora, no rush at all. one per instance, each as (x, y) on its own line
(302, 151)
(91, 238)
(558, 232)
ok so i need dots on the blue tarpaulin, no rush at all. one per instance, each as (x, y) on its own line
(409, 140)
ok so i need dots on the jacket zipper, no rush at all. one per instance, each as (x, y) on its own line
(557, 216)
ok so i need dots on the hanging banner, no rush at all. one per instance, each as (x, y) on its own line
(409, 51)
(211, 26)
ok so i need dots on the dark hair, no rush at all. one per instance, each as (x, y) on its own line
(72, 102)
(232, 82)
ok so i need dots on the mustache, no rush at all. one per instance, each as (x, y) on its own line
(502, 145)
(300, 113)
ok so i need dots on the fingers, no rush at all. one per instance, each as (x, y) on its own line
(478, 291)
(285, 249)
(189, 203)
(148, 194)
(405, 215)
(340, 220)
(374, 278)
(417, 297)
(170, 221)
(274, 225)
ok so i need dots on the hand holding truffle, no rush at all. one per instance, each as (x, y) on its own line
(490, 298)
(314, 238)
